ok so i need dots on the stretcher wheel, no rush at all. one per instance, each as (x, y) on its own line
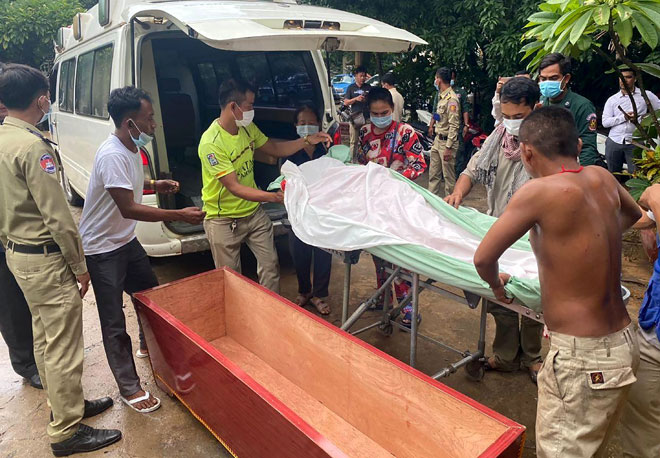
(386, 329)
(475, 370)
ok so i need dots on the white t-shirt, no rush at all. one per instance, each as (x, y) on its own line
(102, 227)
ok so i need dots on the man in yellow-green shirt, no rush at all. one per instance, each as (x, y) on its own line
(231, 197)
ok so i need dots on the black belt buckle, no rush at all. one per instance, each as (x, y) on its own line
(33, 249)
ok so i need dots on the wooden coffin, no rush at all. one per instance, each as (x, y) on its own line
(270, 379)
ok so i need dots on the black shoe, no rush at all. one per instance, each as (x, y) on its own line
(94, 407)
(35, 381)
(86, 439)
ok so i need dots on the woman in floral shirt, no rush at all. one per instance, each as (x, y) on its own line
(395, 145)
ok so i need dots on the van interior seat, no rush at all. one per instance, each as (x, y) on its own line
(178, 115)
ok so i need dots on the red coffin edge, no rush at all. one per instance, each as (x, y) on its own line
(509, 444)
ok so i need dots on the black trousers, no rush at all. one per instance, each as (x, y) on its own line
(303, 255)
(16, 323)
(126, 269)
(616, 154)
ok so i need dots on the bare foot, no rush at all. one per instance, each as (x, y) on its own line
(146, 404)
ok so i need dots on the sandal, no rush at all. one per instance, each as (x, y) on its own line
(534, 373)
(142, 353)
(321, 306)
(407, 316)
(302, 299)
(489, 364)
(131, 403)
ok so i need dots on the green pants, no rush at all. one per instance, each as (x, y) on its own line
(517, 340)
(52, 294)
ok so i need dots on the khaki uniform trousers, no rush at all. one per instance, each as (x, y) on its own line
(256, 231)
(518, 340)
(640, 424)
(583, 386)
(439, 167)
(354, 139)
(52, 294)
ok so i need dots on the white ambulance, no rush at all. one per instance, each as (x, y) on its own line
(180, 51)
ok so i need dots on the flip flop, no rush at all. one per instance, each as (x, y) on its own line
(321, 306)
(488, 366)
(142, 353)
(533, 374)
(302, 299)
(131, 403)
(407, 317)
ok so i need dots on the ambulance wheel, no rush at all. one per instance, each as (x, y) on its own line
(475, 370)
(386, 329)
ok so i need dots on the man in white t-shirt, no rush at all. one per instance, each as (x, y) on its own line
(116, 261)
(389, 82)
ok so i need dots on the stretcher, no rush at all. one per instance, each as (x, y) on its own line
(345, 209)
(269, 379)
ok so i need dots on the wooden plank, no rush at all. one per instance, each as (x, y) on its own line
(386, 401)
(348, 438)
(197, 301)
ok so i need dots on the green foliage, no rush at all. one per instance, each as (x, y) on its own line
(478, 37)
(574, 27)
(631, 28)
(28, 27)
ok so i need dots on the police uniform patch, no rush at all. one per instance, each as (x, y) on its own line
(593, 122)
(212, 159)
(453, 107)
(597, 378)
(47, 164)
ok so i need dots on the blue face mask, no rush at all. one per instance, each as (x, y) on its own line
(143, 140)
(382, 122)
(46, 113)
(550, 89)
(435, 85)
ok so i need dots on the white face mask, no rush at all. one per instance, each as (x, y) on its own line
(512, 126)
(248, 117)
(304, 131)
(46, 113)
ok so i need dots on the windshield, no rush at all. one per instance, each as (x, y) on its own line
(341, 79)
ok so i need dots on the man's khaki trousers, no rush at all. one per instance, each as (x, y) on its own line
(439, 167)
(583, 386)
(51, 291)
(640, 424)
(256, 231)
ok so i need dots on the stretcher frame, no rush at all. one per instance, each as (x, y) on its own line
(471, 361)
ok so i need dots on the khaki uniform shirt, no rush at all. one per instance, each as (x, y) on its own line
(397, 98)
(33, 210)
(497, 199)
(449, 110)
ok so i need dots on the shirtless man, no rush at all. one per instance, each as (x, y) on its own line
(576, 217)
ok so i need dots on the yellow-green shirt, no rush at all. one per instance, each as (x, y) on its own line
(221, 154)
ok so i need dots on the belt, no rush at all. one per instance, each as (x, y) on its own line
(33, 249)
(442, 137)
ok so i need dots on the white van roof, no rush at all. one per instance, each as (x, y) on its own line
(249, 25)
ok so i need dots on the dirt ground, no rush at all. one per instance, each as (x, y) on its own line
(173, 432)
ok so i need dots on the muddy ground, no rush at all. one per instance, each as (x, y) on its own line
(173, 432)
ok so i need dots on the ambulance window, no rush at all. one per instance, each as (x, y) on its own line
(101, 81)
(93, 82)
(84, 83)
(65, 90)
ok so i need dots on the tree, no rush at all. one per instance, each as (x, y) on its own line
(617, 31)
(28, 27)
(478, 37)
